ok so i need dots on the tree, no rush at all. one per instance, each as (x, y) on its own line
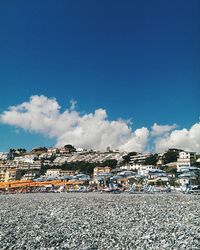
(82, 166)
(70, 148)
(196, 164)
(126, 158)
(43, 169)
(132, 153)
(12, 153)
(21, 150)
(170, 170)
(40, 149)
(170, 156)
(151, 160)
(109, 163)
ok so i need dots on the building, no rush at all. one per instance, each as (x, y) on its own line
(144, 170)
(56, 173)
(157, 175)
(7, 175)
(2, 175)
(53, 173)
(34, 165)
(101, 170)
(67, 173)
(185, 159)
(52, 150)
(31, 174)
(4, 156)
(139, 168)
(28, 158)
(189, 175)
(138, 159)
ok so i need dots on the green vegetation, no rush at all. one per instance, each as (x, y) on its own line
(81, 166)
(127, 158)
(16, 152)
(151, 160)
(170, 170)
(40, 149)
(70, 148)
(197, 164)
(132, 153)
(170, 156)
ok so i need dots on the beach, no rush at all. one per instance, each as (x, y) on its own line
(99, 221)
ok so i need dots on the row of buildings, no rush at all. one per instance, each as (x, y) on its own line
(21, 165)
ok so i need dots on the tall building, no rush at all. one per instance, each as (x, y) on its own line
(185, 159)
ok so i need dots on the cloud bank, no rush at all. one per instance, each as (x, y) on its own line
(159, 130)
(187, 139)
(94, 130)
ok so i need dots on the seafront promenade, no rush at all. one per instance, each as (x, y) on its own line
(99, 221)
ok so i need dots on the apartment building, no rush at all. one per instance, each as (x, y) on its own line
(138, 159)
(56, 173)
(185, 159)
(52, 150)
(31, 174)
(4, 156)
(53, 173)
(67, 173)
(101, 170)
(9, 175)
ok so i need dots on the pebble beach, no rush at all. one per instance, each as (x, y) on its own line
(99, 221)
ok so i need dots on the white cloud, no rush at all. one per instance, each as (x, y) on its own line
(93, 130)
(158, 130)
(73, 104)
(187, 139)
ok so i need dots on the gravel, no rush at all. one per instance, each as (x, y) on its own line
(99, 221)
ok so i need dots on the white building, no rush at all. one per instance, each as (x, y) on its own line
(29, 158)
(60, 160)
(30, 175)
(53, 173)
(185, 159)
(141, 169)
(56, 173)
(52, 150)
(4, 156)
(144, 170)
(138, 159)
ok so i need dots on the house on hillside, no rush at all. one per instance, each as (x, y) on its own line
(185, 159)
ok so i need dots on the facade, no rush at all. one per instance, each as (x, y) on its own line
(30, 175)
(185, 159)
(2, 175)
(34, 165)
(144, 170)
(157, 175)
(29, 159)
(138, 159)
(4, 156)
(52, 150)
(53, 173)
(67, 173)
(7, 175)
(141, 169)
(101, 170)
(59, 173)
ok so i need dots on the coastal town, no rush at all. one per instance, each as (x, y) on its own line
(80, 170)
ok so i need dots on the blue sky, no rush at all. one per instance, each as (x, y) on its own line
(136, 59)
